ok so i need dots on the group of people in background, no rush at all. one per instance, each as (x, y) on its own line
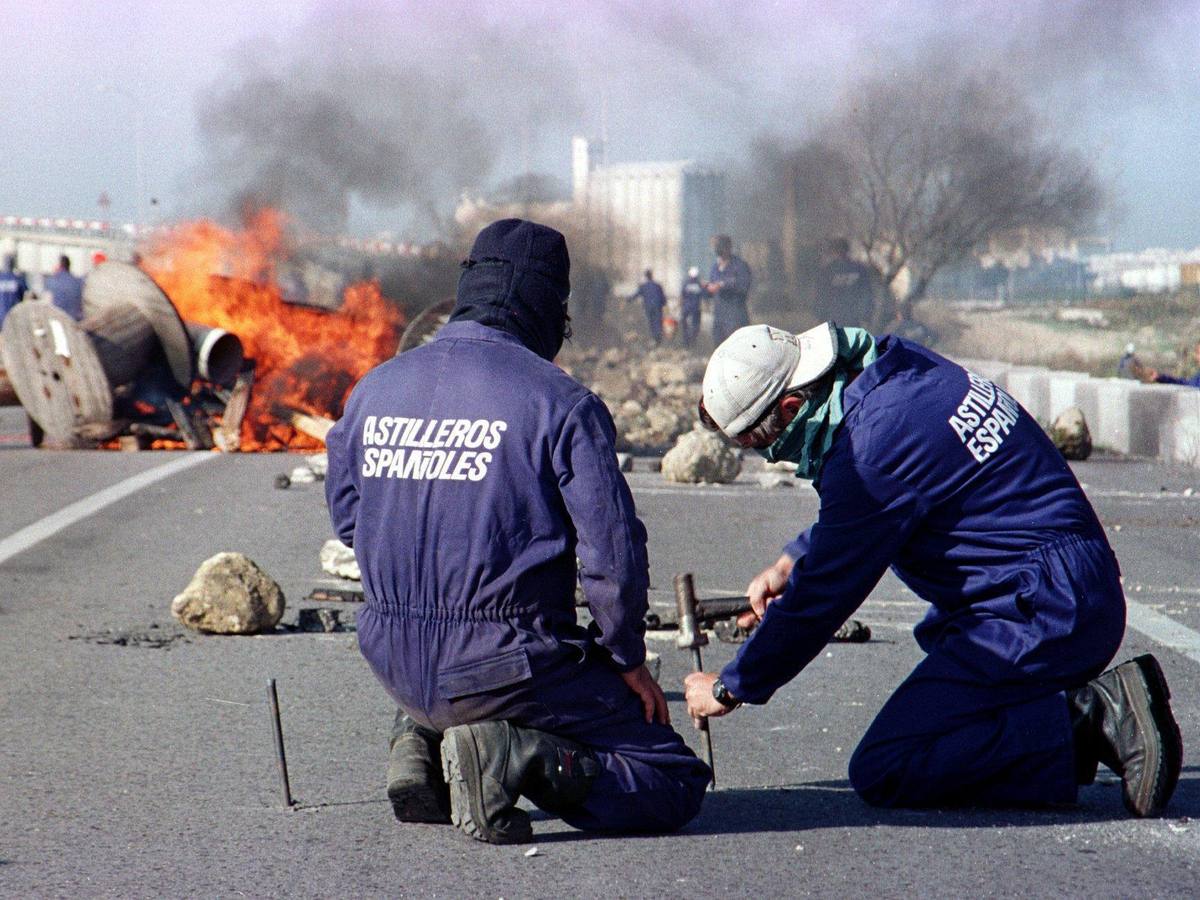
(63, 287)
(844, 290)
(729, 282)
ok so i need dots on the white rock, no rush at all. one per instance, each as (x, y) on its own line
(701, 457)
(319, 463)
(229, 594)
(303, 475)
(1071, 434)
(661, 374)
(338, 559)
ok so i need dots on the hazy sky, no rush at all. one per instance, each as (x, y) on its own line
(467, 94)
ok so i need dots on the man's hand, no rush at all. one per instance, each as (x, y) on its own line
(654, 702)
(698, 690)
(1144, 373)
(765, 587)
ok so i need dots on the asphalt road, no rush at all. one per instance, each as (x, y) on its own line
(136, 760)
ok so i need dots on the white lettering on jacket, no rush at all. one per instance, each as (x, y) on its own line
(429, 449)
(984, 418)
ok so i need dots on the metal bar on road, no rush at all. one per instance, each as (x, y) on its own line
(277, 733)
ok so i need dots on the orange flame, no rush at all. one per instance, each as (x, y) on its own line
(306, 358)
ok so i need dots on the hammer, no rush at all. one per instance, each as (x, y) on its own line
(691, 637)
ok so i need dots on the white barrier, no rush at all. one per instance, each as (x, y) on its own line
(1159, 421)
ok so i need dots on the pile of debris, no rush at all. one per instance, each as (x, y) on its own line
(651, 394)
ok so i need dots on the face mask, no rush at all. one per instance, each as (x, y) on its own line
(809, 435)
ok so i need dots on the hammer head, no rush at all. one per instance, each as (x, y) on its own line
(690, 636)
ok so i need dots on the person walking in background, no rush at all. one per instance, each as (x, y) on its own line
(845, 288)
(691, 295)
(66, 290)
(13, 286)
(653, 300)
(729, 283)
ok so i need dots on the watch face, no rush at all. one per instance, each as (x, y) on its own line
(721, 693)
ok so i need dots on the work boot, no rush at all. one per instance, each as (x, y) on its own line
(490, 765)
(414, 781)
(1123, 719)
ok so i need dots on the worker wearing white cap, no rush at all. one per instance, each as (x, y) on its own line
(938, 473)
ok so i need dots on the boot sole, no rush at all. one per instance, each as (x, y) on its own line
(1146, 686)
(418, 803)
(461, 769)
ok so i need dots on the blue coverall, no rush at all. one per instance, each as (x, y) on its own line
(468, 474)
(693, 293)
(12, 288)
(844, 293)
(729, 306)
(1194, 381)
(653, 300)
(941, 475)
(67, 291)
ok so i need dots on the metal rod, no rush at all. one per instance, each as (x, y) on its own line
(277, 732)
(698, 665)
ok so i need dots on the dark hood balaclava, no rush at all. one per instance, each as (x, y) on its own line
(517, 279)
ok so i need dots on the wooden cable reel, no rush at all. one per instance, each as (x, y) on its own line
(65, 372)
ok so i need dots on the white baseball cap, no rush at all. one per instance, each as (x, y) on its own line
(756, 364)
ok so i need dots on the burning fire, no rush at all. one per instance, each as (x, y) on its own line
(306, 358)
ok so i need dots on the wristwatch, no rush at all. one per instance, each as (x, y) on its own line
(721, 695)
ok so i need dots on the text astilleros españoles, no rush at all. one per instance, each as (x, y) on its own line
(984, 418)
(429, 449)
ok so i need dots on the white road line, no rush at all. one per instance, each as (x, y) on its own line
(69, 515)
(1164, 629)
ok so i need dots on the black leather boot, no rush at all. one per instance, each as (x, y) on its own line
(414, 779)
(490, 765)
(1123, 719)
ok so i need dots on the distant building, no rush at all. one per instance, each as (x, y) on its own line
(649, 215)
(1145, 272)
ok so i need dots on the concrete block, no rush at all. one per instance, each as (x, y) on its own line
(1182, 426)
(991, 369)
(1150, 425)
(1157, 420)
(1061, 392)
(1031, 388)
(1105, 403)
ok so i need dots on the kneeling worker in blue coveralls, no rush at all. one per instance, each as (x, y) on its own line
(930, 469)
(468, 474)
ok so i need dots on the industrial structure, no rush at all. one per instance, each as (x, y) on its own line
(633, 216)
(648, 215)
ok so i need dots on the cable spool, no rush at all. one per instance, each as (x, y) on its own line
(65, 372)
(425, 325)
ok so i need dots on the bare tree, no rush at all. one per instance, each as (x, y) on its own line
(922, 166)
